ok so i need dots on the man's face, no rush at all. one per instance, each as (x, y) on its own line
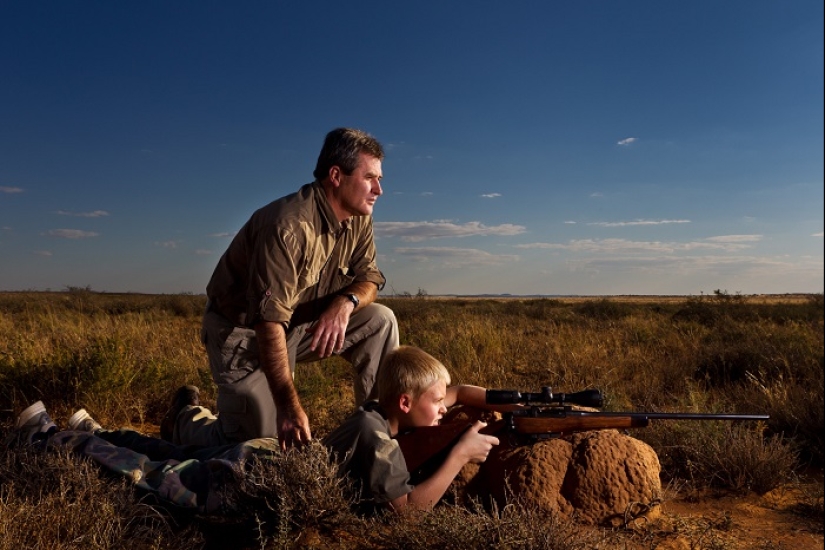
(358, 192)
(429, 408)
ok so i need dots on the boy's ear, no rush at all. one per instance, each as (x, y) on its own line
(405, 402)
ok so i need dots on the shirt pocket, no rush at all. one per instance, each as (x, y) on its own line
(344, 276)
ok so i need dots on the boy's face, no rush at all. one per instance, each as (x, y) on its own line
(429, 408)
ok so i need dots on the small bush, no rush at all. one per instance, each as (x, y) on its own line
(722, 455)
(287, 493)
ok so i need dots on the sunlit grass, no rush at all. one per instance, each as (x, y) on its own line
(122, 356)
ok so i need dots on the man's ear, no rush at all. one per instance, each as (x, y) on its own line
(335, 174)
(405, 402)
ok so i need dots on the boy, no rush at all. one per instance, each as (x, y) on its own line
(412, 392)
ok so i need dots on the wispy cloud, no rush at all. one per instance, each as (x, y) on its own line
(93, 214)
(221, 235)
(491, 195)
(455, 257)
(72, 233)
(421, 194)
(626, 141)
(167, 244)
(735, 238)
(203, 252)
(46, 253)
(637, 222)
(569, 222)
(596, 195)
(420, 231)
(817, 234)
(730, 243)
(738, 266)
(10, 190)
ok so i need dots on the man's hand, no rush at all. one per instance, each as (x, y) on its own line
(293, 427)
(329, 332)
(293, 424)
(475, 447)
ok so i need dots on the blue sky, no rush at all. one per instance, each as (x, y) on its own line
(568, 147)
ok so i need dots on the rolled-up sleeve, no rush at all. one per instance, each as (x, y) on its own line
(363, 260)
(275, 270)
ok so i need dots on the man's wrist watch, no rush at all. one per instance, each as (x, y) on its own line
(352, 298)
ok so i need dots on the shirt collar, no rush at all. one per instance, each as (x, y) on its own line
(331, 223)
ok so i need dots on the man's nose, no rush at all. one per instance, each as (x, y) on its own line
(377, 188)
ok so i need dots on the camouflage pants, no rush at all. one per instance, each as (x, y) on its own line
(189, 477)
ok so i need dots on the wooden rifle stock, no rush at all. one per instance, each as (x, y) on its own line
(432, 443)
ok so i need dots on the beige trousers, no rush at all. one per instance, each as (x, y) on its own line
(246, 409)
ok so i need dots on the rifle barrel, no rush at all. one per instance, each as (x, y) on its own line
(565, 422)
(697, 416)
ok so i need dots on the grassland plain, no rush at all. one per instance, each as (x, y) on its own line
(122, 355)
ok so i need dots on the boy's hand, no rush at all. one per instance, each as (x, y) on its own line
(475, 447)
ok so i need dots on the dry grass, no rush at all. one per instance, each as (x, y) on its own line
(121, 356)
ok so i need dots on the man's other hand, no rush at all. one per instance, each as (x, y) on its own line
(329, 332)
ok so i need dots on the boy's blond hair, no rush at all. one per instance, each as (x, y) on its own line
(409, 370)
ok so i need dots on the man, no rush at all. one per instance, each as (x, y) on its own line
(297, 283)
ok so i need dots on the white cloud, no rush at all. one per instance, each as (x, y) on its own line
(596, 195)
(93, 214)
(455, 257)
(569, 222)
(72, 233)
(491, 195)
(45, 253)
(817, 234)
(167, 244)
(607, 246)
(420, 231)
(637, 222)
(626, 141)
(10, 190)
(203, 252)
(221, 235)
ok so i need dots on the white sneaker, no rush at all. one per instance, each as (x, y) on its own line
(33, 420)
(82, 421)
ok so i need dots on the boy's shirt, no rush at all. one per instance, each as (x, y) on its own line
(367, 453)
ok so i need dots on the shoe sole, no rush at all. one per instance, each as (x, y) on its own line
(30, 412)
(78, 417)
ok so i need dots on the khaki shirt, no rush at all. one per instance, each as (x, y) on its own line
(290, 259)
(370, 457)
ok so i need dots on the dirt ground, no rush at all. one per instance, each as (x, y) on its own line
(781, 519)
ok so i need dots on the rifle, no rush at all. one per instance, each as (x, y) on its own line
(543, 415)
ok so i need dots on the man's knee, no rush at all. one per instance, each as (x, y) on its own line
(384, 327)
(383, 315)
